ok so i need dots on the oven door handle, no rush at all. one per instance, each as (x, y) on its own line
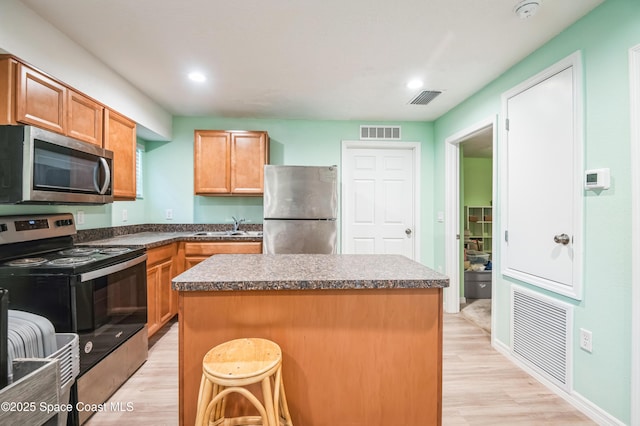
(87, 276)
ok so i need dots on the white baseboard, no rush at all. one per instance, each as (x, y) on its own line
(578, 401)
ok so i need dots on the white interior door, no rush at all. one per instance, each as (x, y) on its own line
(543, 208)
(380, 199)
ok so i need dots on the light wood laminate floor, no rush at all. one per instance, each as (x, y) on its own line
(480, 386)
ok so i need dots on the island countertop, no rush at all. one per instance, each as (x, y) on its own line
(233, 272)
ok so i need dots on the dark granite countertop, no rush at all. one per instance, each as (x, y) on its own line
(151, 239)
(307, 272)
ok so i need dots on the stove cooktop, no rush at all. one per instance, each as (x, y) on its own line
(69, 260)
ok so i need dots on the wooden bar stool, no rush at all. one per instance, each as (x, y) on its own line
(228, 368)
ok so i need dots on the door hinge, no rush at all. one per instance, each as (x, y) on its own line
(506, 124)
(457, 236)
(506, 236)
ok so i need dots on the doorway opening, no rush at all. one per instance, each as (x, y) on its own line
(476, 199)
(470, 172)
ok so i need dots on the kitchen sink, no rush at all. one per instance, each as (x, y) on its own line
(228, 234)
(212, 234)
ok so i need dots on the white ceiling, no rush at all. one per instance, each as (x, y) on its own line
(322, 59)
(480, 145)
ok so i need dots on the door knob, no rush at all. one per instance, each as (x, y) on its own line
(408, 231)
(563, 239)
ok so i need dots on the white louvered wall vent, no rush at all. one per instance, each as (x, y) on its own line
(541, 334)
(380, 133)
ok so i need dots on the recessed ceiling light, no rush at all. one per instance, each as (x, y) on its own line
(415, 84)
(198, 77)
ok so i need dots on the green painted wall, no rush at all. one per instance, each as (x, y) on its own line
(477, 181)
(604, 37)
(169, 183)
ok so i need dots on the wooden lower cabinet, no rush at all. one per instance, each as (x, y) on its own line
(356, 357)
(195, 253)
(161, 299)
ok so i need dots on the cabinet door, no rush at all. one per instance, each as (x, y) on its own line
(153, 324)
(40, 100)
(249, 154)
(212, 151)
(120, 137)
(84, 118)
(164, 292)
(8, 70)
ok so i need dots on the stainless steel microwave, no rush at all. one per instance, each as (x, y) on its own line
(41, 167)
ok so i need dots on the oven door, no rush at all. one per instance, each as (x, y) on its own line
(110, 307)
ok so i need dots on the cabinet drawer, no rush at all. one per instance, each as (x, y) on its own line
(208, 249)
(159, 254)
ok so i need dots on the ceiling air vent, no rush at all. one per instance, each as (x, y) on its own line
(425, 97)
(380, 132)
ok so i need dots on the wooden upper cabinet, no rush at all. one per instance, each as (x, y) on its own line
(230, 162)
(120, 137)
(28, 96)
(84, 118)
(212, 166)
(8, 70)
(40, 100)
(248, 157)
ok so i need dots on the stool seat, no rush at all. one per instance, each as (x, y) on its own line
(242, 358)
(228, 368)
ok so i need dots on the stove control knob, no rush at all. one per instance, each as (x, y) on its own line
(3, 227)
(64, 222)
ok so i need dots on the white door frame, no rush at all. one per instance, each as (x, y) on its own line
(634, 89)
(414, 147)
(452, 232)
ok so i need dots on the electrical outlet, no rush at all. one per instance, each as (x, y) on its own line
(586, 340)
(168, 214)
(125, 215)
(80, 217)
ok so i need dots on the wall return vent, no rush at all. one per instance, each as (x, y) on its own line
(541, 334)
(424, 97)
(380, 133)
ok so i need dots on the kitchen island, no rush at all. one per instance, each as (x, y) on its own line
(361, 335)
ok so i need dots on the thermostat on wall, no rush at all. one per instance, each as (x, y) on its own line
(597, 179)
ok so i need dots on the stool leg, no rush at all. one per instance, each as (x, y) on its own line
(220, 405)
(263, 418)
(285, 416)
(204, 396)
(268, 401)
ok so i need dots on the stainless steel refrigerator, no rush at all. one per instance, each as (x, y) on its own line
(300, 209)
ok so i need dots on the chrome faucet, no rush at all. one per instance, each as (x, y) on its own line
(237, 223)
